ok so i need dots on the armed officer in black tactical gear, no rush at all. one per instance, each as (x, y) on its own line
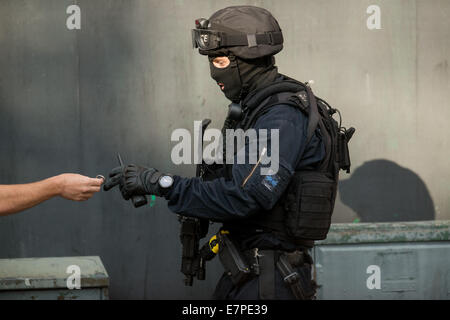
(270, 221)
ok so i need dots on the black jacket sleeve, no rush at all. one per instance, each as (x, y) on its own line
(250, 189)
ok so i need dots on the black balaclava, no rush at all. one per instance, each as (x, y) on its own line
(241, 76)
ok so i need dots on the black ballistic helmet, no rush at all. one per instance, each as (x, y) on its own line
(247, 32)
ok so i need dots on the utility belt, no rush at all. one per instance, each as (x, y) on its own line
(242, 266)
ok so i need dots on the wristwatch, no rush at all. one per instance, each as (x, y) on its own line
(165, 181)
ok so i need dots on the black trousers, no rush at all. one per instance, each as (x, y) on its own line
(249, 290)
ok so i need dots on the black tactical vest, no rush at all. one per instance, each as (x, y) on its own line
(303, 213)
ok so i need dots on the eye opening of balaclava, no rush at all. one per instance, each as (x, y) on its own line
(242, 76)
(229, 76)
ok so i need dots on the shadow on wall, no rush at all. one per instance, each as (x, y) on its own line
(382, 191)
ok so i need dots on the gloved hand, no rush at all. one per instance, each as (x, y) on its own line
(135, 180)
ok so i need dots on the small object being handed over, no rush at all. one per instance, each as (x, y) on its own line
(136, 182)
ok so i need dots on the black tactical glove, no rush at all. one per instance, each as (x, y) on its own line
(135, 180)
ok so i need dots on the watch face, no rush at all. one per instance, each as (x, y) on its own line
(165, 181)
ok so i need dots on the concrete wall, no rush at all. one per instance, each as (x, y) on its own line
(71, 99)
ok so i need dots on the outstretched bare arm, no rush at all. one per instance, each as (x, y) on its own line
(15, 198)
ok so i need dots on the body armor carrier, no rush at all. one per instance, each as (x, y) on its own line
(303, 213)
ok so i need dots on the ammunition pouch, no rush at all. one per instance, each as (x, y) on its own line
(309, 205)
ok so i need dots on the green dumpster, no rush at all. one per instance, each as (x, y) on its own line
(408, 260)
(64, 278)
